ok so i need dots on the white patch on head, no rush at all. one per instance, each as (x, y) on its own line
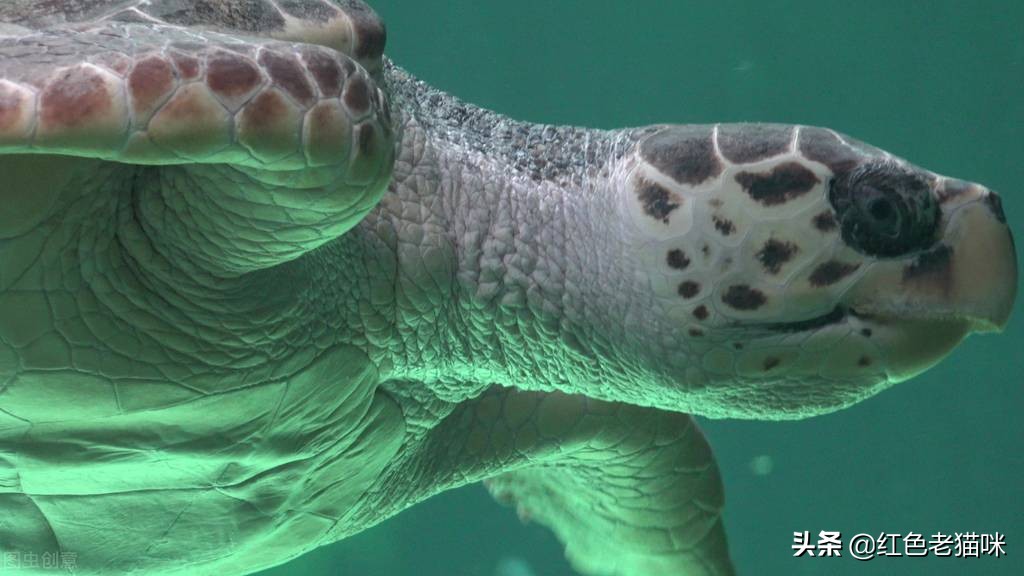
(741, 246)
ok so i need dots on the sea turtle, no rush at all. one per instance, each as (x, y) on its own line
(261, 289)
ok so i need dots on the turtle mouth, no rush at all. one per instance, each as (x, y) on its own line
(837, 315)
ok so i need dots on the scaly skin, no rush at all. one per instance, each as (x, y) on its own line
(233, 330)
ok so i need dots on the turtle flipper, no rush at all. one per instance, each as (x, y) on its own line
(637, 492)
(631, 491)
(279, 146)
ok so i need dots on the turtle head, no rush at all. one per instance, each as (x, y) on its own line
(806, 271)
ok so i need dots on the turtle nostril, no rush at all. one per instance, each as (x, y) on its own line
(995, 204)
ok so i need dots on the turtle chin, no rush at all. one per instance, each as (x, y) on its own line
(909, 346)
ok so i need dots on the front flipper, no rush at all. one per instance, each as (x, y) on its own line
(631, 491)
(234, 153)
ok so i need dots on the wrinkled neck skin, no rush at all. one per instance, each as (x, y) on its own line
(498, 258)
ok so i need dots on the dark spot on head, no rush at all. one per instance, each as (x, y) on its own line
(785, 182)
(705, 250)
(931, 262)
(715, 203)
(677, 259)
(685, 153)
(74, 98)
(701, 312)
(864, 361)
(325, 70)
(771, 362)
(775, 253)
(825, 147)
(723, 225)
(357, 95)
(934, 267)
(826, 221)
(866, 332)
(231, 75)
(744, 143)
(743, 297)
(737, 345)
(995, 204)
(830, 272)
(286, 73)
(657, 201)
(696, 332)
(689, 289)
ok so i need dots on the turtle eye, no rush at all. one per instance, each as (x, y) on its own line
(885, 209)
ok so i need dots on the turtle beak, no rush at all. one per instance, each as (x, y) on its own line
(980, 285)
(968, 277)
(922, 307)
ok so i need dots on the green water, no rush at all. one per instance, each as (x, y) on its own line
(937, 82)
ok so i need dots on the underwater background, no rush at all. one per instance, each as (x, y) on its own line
(940, 83)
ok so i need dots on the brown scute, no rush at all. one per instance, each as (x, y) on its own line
(724, 225)
(826, 221)
(685, 153)
(830, 272)
(775, 253)
(265, 109)
(743, 297)
(689, 289)
(934, 266)
(370, 31)
(229, 74)
(188, 66)
(825, 147)
(325, 71)
(783, 183)
(745, 143)
(864, 361)
(677, 259)
(696, 332)
(701, 312)
(10, 109)
(287, 74)
(771, 362)
(150, 80)
(76, 97)
(357, 95)
(657, 201)
(366, 139)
